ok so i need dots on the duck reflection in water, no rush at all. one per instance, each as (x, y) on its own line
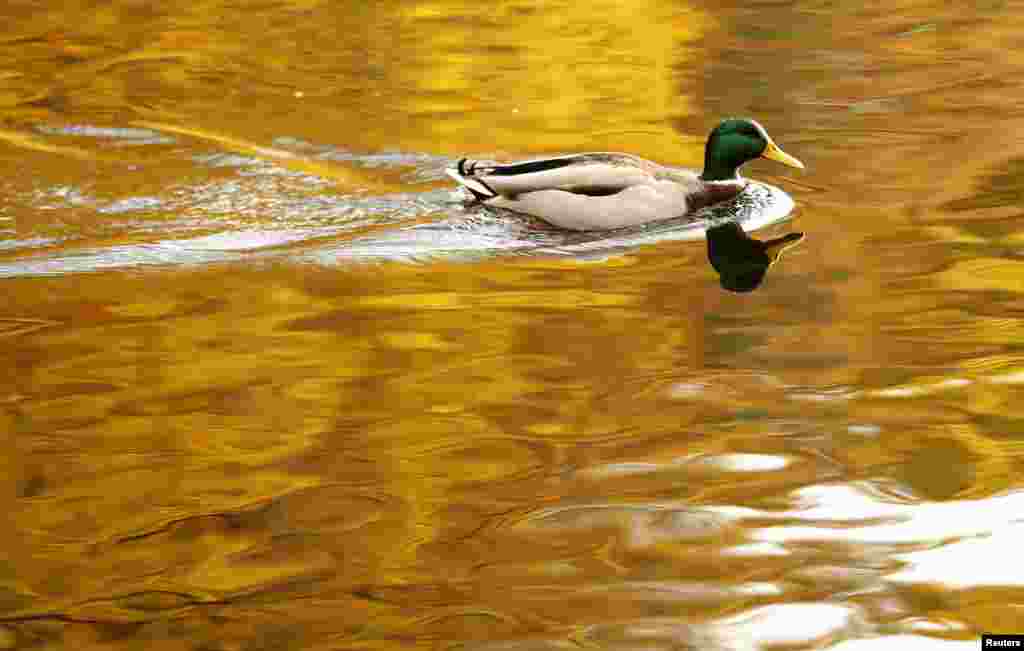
(740, 260)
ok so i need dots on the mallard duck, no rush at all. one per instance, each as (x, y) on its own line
(601, 191)
(740, 260)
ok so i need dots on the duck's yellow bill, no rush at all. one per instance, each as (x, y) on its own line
(772, 152)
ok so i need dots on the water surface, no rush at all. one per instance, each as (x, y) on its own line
(271, 385)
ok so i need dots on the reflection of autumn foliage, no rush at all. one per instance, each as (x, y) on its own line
(597, 76)
(585, 75)
(345, 458)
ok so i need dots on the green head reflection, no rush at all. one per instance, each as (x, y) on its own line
(740, 260)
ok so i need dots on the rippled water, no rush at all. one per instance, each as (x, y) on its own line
(272, 384)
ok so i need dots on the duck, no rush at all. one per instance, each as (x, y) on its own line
(604, 190)
(742, 261)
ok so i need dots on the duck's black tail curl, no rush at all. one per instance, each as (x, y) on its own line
(465, 174)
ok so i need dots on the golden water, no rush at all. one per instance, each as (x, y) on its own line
(268, 385)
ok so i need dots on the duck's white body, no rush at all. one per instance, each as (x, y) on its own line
(595, 191)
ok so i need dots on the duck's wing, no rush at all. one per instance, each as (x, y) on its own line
(597, 174)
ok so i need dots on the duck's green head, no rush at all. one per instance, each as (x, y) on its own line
(736, 141)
